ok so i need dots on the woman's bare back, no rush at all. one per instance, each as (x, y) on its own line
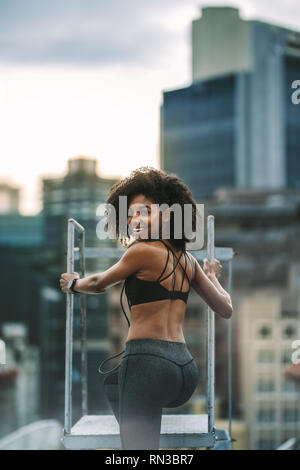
(162, 319)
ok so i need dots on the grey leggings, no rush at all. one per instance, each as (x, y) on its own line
(153, 374)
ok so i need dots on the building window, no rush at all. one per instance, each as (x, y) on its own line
(265, 385)
(56, 209)
(73, 193)
(289, 331)
(265, 332)
(83, 193)
(290, 415)
(74, 207)
(57, 195)
(265, 415)
(265, 356)
(288, 386)
(265, 444)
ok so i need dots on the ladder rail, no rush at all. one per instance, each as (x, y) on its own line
(84, 389)
(81, 252)
(210, 335)
(72, 226)
(229, 355)
(221, 253)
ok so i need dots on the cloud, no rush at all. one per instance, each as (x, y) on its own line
(108, 32)
(85, 31)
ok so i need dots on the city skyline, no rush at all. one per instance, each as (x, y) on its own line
(90, 90)
(61, 98)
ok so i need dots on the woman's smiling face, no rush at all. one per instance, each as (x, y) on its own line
(142, 213)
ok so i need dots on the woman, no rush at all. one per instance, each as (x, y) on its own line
(157, 370)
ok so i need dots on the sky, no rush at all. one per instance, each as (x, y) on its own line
(85, 77)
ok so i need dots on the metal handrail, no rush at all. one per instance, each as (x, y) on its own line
(221, 253)
(210, 342)
(72, 225)
(210, 382)
(229, 355)
(84, 390)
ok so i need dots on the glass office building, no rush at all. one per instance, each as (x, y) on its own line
(236, 125)
(198, 134)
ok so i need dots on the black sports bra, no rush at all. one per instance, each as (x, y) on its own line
(140, 291)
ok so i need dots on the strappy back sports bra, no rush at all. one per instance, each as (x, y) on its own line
(140, 291)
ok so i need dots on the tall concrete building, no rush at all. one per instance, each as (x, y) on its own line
(263, 229)
(235, 126)
(271, 401)
(77, 195)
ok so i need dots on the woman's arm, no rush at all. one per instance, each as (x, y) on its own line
(132, 260)
(211, 291)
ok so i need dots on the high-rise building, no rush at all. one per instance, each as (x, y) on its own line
(75, 195)
(22, 252)
(271, 400)
(263, 229)
(236, 125)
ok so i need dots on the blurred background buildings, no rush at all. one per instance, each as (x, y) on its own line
(233, 136)
(34, 253)
(239, 133)
(236, 122)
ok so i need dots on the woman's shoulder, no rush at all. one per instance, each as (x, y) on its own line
(139, 248)
(144, 245)
(140, 254)
(144, 249)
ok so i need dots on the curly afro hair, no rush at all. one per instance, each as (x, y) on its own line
(161, 188)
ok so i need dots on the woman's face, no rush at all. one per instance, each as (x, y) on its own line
(142, 214)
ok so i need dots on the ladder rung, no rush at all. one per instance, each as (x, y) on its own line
(222, 254)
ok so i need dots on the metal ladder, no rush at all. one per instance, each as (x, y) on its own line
(177, 431)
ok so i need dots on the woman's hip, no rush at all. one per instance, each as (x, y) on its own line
(176, 352)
